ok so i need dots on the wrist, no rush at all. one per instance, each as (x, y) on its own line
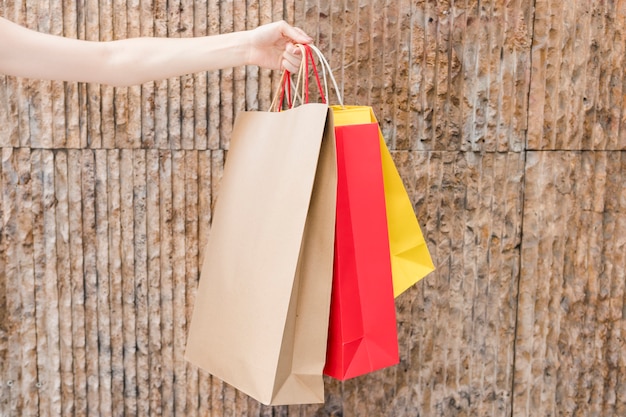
(227, 50)
(248, 47)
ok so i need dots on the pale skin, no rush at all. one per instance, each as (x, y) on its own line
(31, 54)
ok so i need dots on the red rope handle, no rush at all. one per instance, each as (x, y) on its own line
(286, 85)
(306, 76)
(282, 92)
(289, 101)
(315, 72)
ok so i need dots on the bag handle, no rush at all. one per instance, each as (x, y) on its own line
(303, 76)
(307, 51)
(286, 82)
(326, 67)
(301, 80)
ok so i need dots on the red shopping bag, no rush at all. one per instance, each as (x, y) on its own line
(362, 335)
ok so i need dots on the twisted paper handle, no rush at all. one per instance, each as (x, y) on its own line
(301, 90)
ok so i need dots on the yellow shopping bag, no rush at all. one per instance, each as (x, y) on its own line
(410, 258)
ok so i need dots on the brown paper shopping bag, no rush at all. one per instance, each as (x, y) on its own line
(260, 320)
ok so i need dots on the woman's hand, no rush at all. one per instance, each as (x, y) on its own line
(273, 46)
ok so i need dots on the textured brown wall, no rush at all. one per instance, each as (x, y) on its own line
(505, 118)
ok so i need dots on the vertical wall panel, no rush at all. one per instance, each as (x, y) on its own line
(104, 274)
(24, 279)
(4, 312)
(191, 266)
(87, 200)
(77, 280)
(457, 326)
(153, 254)
(141, 279)
(12, 369)
(116, 297)
(569, 344)
(39, 265)
(204, 220)
(63, 282)
(128, 287)
(166, 288)
(576, 90)
(178, 282)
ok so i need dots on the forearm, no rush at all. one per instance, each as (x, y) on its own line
(137, 60)
(31, 54)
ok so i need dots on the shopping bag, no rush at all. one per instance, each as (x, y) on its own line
(261, 314)
(410, 258)
(362, 335)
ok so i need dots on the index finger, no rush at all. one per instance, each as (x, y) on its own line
(296, 34)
